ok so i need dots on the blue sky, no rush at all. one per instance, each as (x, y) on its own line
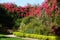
(22, 2)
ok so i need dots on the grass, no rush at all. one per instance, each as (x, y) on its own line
(2, 37)
(7, 38)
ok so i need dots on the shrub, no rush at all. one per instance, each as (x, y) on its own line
(31, 19)
(33, 25)
(41, 37)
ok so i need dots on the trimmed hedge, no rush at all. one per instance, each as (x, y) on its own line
(43, 37)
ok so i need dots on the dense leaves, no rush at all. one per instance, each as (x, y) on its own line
(38, 19)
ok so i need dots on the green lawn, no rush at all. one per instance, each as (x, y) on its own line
(6, 38)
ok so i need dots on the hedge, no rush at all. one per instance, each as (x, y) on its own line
(42, 37)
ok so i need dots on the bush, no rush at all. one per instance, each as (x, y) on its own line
(31, 19)
(7, 21)
(41, 37)
(34, 25)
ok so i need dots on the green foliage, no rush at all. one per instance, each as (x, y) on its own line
(34, 25)
(17, 23)
(41, 37)
(58, 19)
(8, 20)
(18, 18)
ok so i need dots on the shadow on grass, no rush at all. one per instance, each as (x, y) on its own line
(4, 37)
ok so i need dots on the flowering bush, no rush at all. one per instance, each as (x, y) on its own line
(48, 13)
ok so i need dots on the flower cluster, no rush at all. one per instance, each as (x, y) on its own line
(49, 6)
(22, 11)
